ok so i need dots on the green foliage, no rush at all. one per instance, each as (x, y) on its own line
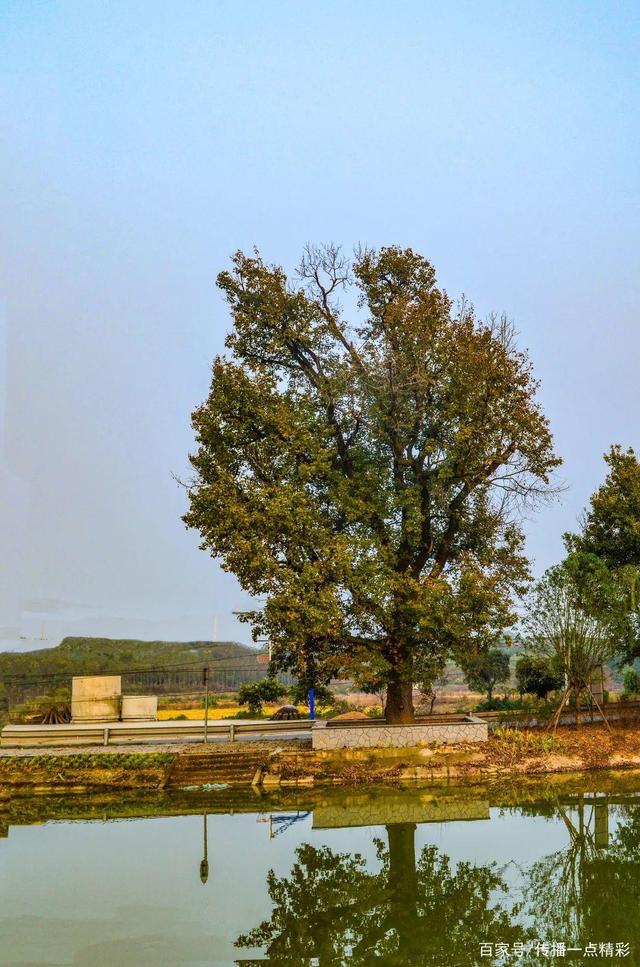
(104, 656)
(610, 541)
(536, 676)
(514, 744)
(374, 711)
(486, 670)
(499, 705)
(362, 476)
(255, 694)
(611, 526)
(86, 760)
(563, 629)
(631, 682)
(299, 695)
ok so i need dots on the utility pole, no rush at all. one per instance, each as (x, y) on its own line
(205, 682)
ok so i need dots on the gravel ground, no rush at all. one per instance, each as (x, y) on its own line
(192, 748)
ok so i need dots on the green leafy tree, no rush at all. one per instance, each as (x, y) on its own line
(486, 670)
(536, 676)
(255, 694)
(631, 682)
(407, 914)
(609, 539)
(562, 628)
(365, 479)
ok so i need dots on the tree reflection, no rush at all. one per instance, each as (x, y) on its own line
(407, 914)
(590, 891)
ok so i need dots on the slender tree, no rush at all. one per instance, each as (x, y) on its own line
(609, 543)
(562, 628)
(364, 481)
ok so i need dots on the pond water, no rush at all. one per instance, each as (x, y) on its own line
(453, 876)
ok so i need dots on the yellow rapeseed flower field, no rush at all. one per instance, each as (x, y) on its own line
(216, 713)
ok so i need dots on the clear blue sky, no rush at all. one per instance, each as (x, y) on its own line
(142, 142)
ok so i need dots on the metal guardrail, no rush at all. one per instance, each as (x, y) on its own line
(122, 733)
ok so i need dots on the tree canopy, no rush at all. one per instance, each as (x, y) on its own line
(363, 479)
(535, 676)
(563, 628)
(609, 543)
(486, 670)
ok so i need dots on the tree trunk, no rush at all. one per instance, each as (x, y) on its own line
(399, 707)
(403, 893)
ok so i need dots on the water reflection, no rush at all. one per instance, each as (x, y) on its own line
(590, 890)
(204, 863)
(411, 911)
(342, 878)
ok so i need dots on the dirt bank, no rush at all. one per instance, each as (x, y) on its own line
(508, 753)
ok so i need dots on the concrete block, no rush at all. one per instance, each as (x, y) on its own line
(96, 698)
(139, 708)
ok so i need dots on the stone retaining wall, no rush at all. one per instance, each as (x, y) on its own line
(365, 736)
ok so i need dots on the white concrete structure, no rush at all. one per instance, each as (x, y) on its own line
(96, 698)
(139, 708)
(361, 735)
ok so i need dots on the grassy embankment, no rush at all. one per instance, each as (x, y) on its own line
(509, 753)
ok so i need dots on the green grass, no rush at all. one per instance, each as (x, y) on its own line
(87, 760)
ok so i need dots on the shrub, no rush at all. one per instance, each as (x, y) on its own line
(514, 744)
(500, 705)
(255, 694)
(374, 711)
(535, 676)
(631, 682)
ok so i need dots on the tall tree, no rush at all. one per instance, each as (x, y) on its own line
(609, 541)
(365, 480)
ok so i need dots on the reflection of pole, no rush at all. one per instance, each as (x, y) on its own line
(601, 809)
(205, 682)
(204, 865)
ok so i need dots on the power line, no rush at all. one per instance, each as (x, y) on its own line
(220, 664)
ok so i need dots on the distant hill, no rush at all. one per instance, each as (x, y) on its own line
(104, 656)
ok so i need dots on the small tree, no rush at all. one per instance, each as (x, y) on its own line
(484, 671)
(535, 676)
(255, 694)
(631, 682)
(562, 630)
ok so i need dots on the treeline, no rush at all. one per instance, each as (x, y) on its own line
(175, 664)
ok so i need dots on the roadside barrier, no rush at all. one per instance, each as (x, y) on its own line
(122, 733)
